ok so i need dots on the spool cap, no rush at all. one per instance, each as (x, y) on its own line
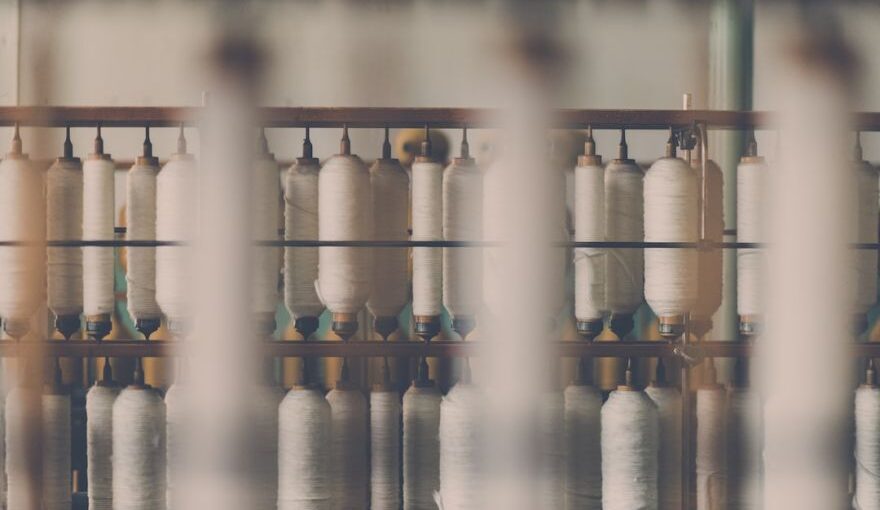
(67, 325)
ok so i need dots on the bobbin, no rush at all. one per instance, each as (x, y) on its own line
(589, 329)
(68, 324)
(750, 324)
(107, 376)
(99, 325)
(426, 326)
(671, 326)
(627, 378)
(147, 158)
(307, 325)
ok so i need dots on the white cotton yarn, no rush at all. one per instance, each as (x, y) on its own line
(99, 444)
(17, 486)
(390, 184)
(629, 451)
(301, 223)
(710, 261)
(174, 445)
(668, 402)
(99, 209)
(551, 452)
(176, 220)
(304, 451)
(751, 176)
(711, 460)
(462, 221)
(624, 221)
(349, 466)
(462, 443)
(671, 214)
(427, 225)
(384, 449)
(265, 401)
(867, 229)
(22, 217)
(56, 481)
(265, 193)
(421, 447)
(589, 225)
(141, 218)
(867, 448)
(139, 450)
(64, 219)
(583, 451)
(344, 214)
(744, 449)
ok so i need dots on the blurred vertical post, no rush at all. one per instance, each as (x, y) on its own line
(804, 368)
(222, 350)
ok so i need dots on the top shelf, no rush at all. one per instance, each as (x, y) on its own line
(164, 116)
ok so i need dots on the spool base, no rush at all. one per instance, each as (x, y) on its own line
(385, 326)
(148, 326)
(16, 328)
(344, 324)
(265, 323)
(427, 326)
(67, 325)
(749, 325)
(671, 326)
(590, 329)
(621, 324)
(306, 326)
(463, 325)
(98, 326)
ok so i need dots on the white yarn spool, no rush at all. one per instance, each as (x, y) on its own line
(176, 220)
(141, 216)
(174, 423)
(711, 461)
(22, 217)
(624, 221)
(99, 444)
(629, 451)
(265, 191)
(462, 442)
(750, 189)
(583, 433)
(139, 450)
(867, 448)
(384, 449)
(668, 402)
(64, 217)
(421, 447)
(390, 185)
(99, 209)
(551, 461)
(344, 214)
(671, 214)
(349, 466)
(301, 223)
(867, 226)
(265, 401)
(56, 481)
(710, 261)
(744, 449)
(18, 484)
(589, 225)
(462, 221)
(304, 451)
(427, 225)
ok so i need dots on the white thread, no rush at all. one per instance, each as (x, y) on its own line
(867, 448)
(139, 450)
(551, 460)
(64, 271)
(348, 448)
(668, 402)
(589, 225)
(427, 225)
(390, 185)
(266, 401)
(265, 193)
(421, 447)
(176, 220)
(711, 449)
(462, 441)
(174, 423)
(671, 215)
(301, 223)
(384, 450)
(304, 451)
(141, 215)
(462, 221)
(629, 451)
(22, 217)
(97, 224)
(344, 214)
(18, 424)
(583, 433)
(744, 449)
(624, 221)
(56, 452)
(750, 190)
(99, 445)
(711, 261)
(867, 225)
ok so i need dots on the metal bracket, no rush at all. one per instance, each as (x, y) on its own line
(691, 354)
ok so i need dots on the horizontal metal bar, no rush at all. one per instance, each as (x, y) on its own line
(356, 117)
